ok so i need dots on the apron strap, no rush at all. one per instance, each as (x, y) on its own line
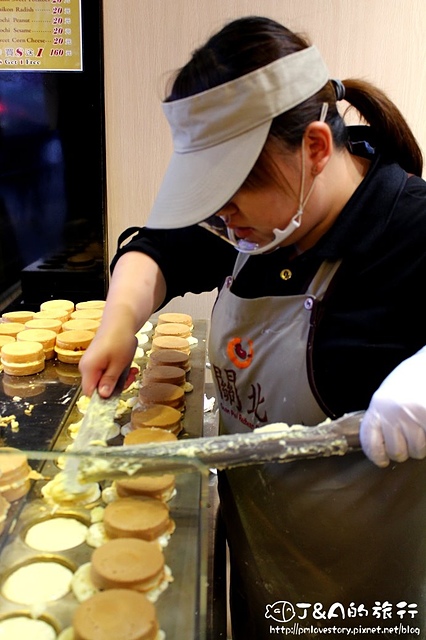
(321, 280)
(239, 263)
(320, 290)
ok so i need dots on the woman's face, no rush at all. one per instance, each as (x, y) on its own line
(254, 212)
(252, 215)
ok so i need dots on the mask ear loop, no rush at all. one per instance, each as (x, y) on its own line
(303, 201)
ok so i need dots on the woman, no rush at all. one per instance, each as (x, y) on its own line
(315, 314)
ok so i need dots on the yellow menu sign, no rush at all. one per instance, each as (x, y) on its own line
(40, 35)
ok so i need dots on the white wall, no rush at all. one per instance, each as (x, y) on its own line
(146, 40)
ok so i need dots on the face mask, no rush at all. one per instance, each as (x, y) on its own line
(216, 225)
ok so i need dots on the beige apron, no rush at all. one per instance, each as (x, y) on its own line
(313, 543)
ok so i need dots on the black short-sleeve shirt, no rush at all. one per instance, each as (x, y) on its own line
(372, 317)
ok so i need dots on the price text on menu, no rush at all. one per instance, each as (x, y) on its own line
(40, 35)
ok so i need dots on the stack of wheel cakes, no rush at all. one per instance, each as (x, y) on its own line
(161, 401)
(130, 523)
(15, 479)
(59, 331)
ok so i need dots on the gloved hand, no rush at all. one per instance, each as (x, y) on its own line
(394, 426)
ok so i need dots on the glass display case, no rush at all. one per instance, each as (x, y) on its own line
(38, 414)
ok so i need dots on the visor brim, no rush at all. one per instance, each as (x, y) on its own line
(197, 184)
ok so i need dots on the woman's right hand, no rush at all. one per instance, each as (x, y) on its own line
(136, 289)
(105, 360)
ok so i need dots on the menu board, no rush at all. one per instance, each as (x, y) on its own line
(40, 35)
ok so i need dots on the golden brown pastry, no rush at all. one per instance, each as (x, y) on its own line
(14, 474)
(164, 393)
(71, 345)
(46, 337)
(22, 358)
(128, 563)
(142, 518)
(116, 614)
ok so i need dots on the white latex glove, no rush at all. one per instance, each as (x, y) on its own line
(394, 426)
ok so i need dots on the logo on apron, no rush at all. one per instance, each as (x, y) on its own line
(240, 355)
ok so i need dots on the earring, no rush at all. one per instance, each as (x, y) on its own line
(315, 170)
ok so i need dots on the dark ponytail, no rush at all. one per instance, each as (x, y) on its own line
(393, 136)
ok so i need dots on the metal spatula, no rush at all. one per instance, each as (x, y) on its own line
(283, 444)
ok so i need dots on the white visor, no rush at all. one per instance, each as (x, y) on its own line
(218, 135)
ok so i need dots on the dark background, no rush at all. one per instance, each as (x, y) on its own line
(52, 178)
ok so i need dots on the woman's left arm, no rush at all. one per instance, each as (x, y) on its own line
(394, 426)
